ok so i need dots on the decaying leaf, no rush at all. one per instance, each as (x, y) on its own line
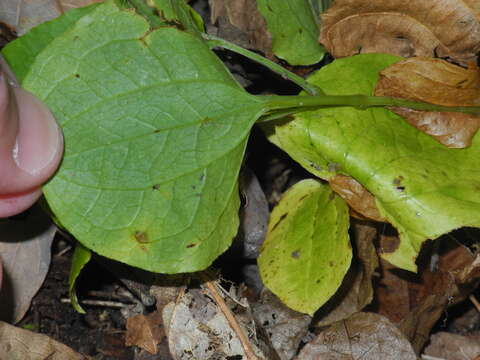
(356, 290)
(240, 22)
(449, 346)
(145, 331)
(284, 327)
(20, 344)
(197, 329)
(25, 254)
(447, 28)
(414, 302)
(22, 15)
(361, 336)
(359, 199)
(438, 82)
(254, 216)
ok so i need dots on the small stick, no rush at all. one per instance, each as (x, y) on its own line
(247, 348)
(428, 357)
(102, 303)
(475, 302)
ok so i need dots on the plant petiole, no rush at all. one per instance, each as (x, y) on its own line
(215, 42)
(361, 102)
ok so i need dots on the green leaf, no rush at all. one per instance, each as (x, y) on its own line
(21, 54)
(423, 188)
(307, 251)
(294, 27)
(81, 256)
(155, 131)
(178, 11)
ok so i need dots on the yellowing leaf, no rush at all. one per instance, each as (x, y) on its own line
(421, 187)
(307, 250)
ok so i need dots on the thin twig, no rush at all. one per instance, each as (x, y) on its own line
(247, 347)
(428, 357)
(475, 302)
(102, 303)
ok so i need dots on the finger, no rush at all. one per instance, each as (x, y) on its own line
(14, 204)
(31, 143)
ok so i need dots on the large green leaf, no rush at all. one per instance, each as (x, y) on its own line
(423, 188)
(294, 27)
(307, 251)
(155, 130)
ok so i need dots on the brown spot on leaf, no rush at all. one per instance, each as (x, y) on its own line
(156, 187)
(279, 221)
(333, 167)
(296, 254)
(398, 183)
(191, 245)
(77, 75)
(141, 237)
(303, 197)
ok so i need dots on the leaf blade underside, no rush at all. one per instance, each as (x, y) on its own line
(155, 130)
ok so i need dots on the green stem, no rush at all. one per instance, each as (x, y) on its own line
(148, 12)
(358, 101)
(214, 42)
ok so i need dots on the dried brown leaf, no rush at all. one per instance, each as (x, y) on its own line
(361, 336)
(356, 290)
(453, 347)
(406, 28)
(432, 80)
(18, 343)
(240, 22)
(197, 328)
(414, 302)
(22, 15)
(145, 331)
(437, 82)
(359, 199)
(25, 254)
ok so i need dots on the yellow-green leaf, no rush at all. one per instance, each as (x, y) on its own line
(307, 250)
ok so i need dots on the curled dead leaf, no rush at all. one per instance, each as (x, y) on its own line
(447, 28)
(240, 22)
(359, 198)
(437, 82)
(145, 331)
